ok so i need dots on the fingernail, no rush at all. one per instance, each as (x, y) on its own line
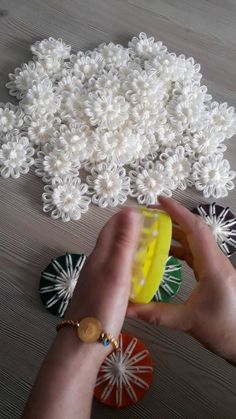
(134, 212)
(162, 198)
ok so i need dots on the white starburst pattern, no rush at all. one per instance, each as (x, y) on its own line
(58, 282)
(222, 223)
(121, 372)
(171, 280)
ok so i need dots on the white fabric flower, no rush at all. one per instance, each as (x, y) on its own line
(152, 156)
(71, 108)
(187, 111)
(212, 176)
(208, 141)
(166, 136)
(110, 108)
(11, 118)
(148, 182)
(114, 55)
(188, 70)
(66, 198)
(171, 68)
(52, 66)
(105, 110)
(76, 141)
(108, 185)
(55, 164)
(41, 130)
(51, 47)
(16, 157)
(24, 78)
(126, 70)
(141, 86)
(223, 118)
(165, 66)
(146, 48)
(122, 146)
(147, 118)
(68, 85)
(86, 66)
(41, 99)
(108, 81)
(178, 168)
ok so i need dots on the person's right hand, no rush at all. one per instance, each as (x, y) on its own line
(209, 314)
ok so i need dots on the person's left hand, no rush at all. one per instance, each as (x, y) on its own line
(103, 288)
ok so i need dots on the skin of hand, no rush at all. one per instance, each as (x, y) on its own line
(104, 285)
(209, 313)
(65, 383)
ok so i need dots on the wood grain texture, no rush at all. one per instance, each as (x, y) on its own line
(189, 382)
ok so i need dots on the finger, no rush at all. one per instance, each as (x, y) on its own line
(161, 207)
(104, 240)
(178, 235)
(180, 215)
(154, 206)
(178, 252)
(181, 253)
(124, 241)
(172, 316)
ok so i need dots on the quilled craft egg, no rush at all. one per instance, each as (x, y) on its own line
(126, 374)
(170, 282)
(58, 282)
(222, 222)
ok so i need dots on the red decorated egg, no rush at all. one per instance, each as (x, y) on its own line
(126, 374)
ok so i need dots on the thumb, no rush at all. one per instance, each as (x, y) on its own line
(173, 316)
(125, 239)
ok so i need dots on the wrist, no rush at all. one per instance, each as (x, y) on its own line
(71, 346)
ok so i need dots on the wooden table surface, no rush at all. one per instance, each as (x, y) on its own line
(189, 382)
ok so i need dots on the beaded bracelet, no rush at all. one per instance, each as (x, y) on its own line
(89, 330)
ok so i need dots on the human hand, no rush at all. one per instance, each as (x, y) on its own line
(209, 314)
(104, 284)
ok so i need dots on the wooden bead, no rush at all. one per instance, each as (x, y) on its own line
(89, 329)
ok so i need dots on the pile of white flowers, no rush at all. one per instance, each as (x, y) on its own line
(133, 121)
